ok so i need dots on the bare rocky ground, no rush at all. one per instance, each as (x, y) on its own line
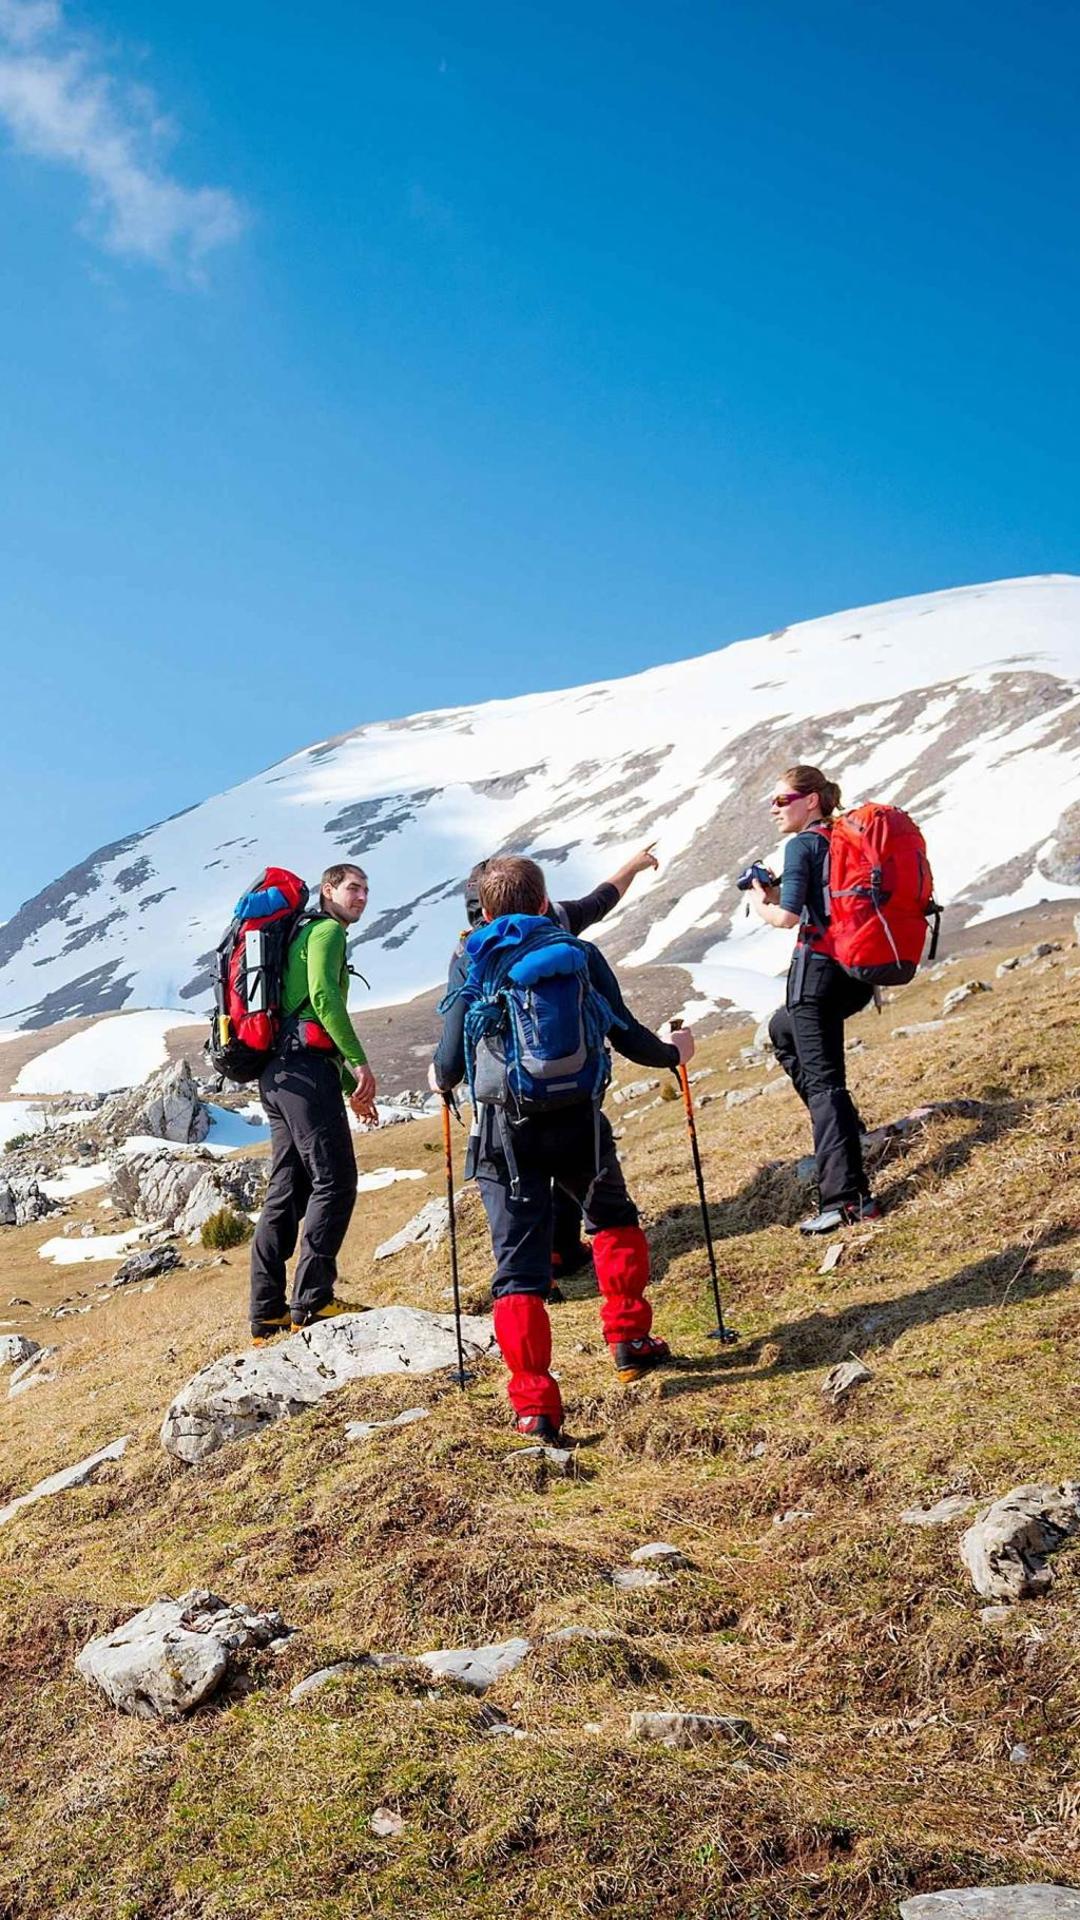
(808, 1713)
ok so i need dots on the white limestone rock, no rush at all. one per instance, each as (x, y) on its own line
(427, 1228)
(236, 1397)
(77, 1476)
(1035, 1902)
(17, 1347)
(476, 1668)
(363, 1429)
(34, 1372)
(166, 1106)
(842, 1381)
(953, 1507)
(658, 1553)
(1005, 1550)
(166, 1660)
(965, 991)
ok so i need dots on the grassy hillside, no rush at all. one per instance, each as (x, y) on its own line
(850, 1641)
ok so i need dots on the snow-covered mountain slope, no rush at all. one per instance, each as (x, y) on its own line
(963, 706)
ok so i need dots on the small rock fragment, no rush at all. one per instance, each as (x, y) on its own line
(833, 1257)
(953, 1507)
(658, 1553)
(966, 991)
(315, 1682)
(363, 1429)
(840, 1382)
(386, 1823)
(77, 1476)
(1005, 1550)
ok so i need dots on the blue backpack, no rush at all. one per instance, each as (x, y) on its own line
(536, 1025)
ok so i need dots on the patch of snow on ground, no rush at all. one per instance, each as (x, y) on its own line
(385, 1177)
(74, 1179)
(70, 1252)
(119, 1052)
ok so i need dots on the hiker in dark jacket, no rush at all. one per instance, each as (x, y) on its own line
(569, 1253)
(808, 1031)
(516, 1161)
(313, 1167)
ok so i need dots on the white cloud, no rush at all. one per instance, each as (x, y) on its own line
(60, 103)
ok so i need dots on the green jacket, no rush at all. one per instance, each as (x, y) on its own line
(316, 987)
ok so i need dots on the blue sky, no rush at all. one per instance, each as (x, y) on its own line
(361, 359)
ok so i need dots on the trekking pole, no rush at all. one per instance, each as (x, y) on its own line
(722, 1331)
(462, 1376)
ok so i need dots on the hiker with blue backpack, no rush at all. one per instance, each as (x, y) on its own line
(569, 1253)
(529, 1028)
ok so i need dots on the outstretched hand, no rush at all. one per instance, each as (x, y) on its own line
(641, 861)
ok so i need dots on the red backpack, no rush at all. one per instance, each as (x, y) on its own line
(251, 954)
(879, 894)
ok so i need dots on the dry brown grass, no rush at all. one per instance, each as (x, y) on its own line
(849, 1636)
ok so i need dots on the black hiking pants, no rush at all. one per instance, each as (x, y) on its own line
(808, 1037)
(312, 1178)
(559, 1149)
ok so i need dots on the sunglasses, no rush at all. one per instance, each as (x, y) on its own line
(785, 799)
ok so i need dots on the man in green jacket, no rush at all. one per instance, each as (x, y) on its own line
(313, 1166)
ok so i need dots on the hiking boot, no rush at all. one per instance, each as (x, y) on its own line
(265, 1330)
(635, 1357)
(537, 1426)
(555, 1297)
(850, 1213)
(332, 1310)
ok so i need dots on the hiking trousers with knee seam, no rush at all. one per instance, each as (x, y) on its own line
(312, 1178)
(808, 1037)
(574, 1149)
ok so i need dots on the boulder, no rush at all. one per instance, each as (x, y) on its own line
(966, 991)
(145, 1265)
(32, 1372)
(1035, 1902)
(476, 1668)
(1006, 966)
(236, 1397)
(22, 1202)
(182, 1190)
(237, 1184)
(428, 1228)
(155, 1185)
(173, 1655)
(17, 1347)
(1005, 1550)
(77, 1476)
(167, 1106)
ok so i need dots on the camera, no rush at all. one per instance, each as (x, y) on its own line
(756, 872)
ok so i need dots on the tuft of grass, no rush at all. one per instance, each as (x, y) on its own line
(226, 1228)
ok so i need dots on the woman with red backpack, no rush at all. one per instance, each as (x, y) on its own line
(808, 1031)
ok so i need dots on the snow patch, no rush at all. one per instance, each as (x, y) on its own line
(74, 1251)
(119, 1052)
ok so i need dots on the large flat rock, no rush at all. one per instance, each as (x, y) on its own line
(995, 1903)
(236, 1397)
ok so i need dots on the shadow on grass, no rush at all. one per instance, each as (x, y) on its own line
(776, 1195)
(823, 1339)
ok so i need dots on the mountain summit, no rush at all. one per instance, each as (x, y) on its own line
(963, 706)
